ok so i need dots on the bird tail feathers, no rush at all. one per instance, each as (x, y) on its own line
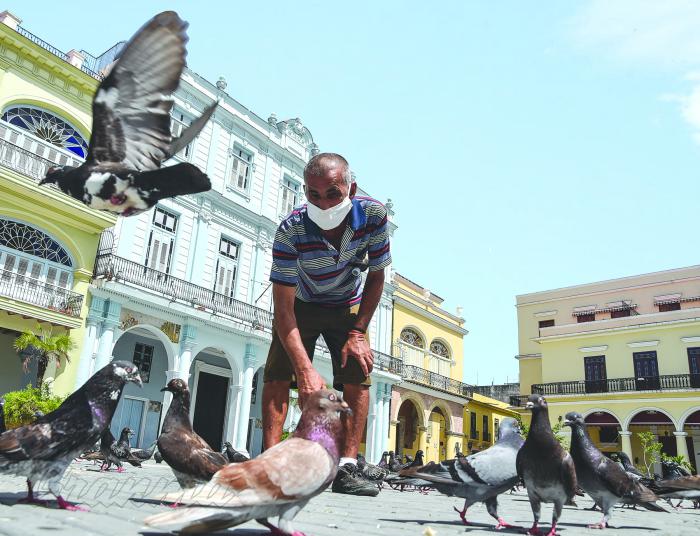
(209, 494)
(197, 520)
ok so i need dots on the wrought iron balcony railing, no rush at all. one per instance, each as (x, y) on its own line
(388, 363)
(420, 375)
(612, 385)
(46, 46)
(35, 292)
(616, 385)
(113, 268)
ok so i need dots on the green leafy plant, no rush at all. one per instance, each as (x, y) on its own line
(21, 406)
(651, 451)
(679, 459)
(43, 348)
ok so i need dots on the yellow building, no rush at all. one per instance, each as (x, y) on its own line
(428, 407)
(482, 417)
(625, 353)
(48, 241)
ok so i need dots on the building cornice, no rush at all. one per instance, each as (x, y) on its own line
(636, 328)
(428, 314)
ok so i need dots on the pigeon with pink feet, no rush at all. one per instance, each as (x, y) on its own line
(545, 467)
(43, 450)
(278, 483)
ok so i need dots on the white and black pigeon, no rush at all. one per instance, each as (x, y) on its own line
(43, 449)
(545, 467)
(603, 479)
(480, 477)
(131, 135)
(277, 483)
(192, 460)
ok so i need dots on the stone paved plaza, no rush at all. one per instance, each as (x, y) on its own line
(115, 509)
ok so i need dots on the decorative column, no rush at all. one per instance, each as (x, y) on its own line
(377, 422)
(184, 360)
(681, 444)
(386, 407)
(244, 413)
(371, 434)
(234, 406)
(423, 438)
(627, 444)
(87, 353)
(112, 311)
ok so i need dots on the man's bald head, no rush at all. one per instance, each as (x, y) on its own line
(320, 164)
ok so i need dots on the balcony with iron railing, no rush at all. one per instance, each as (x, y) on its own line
(47, 46)
(35, 292)
(110, 267)
(29, 155)
(422, 358)
(668, 382)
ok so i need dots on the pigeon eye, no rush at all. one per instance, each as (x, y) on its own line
(331, 397)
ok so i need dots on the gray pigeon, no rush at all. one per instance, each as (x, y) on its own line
(233, 455)
(192, 460)
(480, 477)
(604, 480)
(686, 487)
(545, 467)
(119, 451)
(144, 454)
(279, 482)
(131, 128)
(43, 449)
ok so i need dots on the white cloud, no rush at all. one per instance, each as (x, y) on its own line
(662, 32)
(652, 33)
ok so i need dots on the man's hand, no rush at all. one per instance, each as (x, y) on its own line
(308, 381)
(358, 348)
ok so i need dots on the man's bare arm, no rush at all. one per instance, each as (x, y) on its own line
(308, 379)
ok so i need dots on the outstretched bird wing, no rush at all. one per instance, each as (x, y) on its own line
(131, 109)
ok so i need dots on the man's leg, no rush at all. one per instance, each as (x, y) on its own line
(357, 397)
(275, 399)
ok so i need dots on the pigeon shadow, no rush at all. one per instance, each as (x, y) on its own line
(453, 523)
(615, 527)
(228, 532)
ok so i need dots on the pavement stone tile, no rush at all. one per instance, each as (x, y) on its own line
(119, 502)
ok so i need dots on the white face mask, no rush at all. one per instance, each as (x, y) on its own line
(331, 217)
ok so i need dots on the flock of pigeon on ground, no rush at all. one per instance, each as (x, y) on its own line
(225, 489)
(130, 140)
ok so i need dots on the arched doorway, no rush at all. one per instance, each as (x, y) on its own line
(437, 436)
(407, 430)
(658, 423)
(210, 379)
(691, 426)
(604, 429)
(140, 408)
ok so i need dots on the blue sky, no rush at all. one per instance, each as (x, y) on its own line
(526, 146)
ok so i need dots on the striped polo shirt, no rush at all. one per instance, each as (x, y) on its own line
(303, 258)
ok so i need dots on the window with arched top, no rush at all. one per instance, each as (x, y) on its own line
(440, 348)
(30, 255)
(48, 127)
(412, 337)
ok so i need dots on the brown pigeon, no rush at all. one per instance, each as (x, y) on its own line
(278, 483)
(190, 457)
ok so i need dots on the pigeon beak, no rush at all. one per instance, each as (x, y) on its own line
(567, 422)
(164, 389)
(344, 408)
(136, 379)
(529, 405)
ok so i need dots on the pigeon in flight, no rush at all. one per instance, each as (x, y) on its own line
(131, 128)
(604, 480)
(545, 467)
(278, 483)
(43, 449)
(480, 477)
(190, 457)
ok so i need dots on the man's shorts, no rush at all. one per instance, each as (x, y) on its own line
(312, 321)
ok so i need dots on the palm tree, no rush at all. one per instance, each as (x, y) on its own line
(44, 348)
